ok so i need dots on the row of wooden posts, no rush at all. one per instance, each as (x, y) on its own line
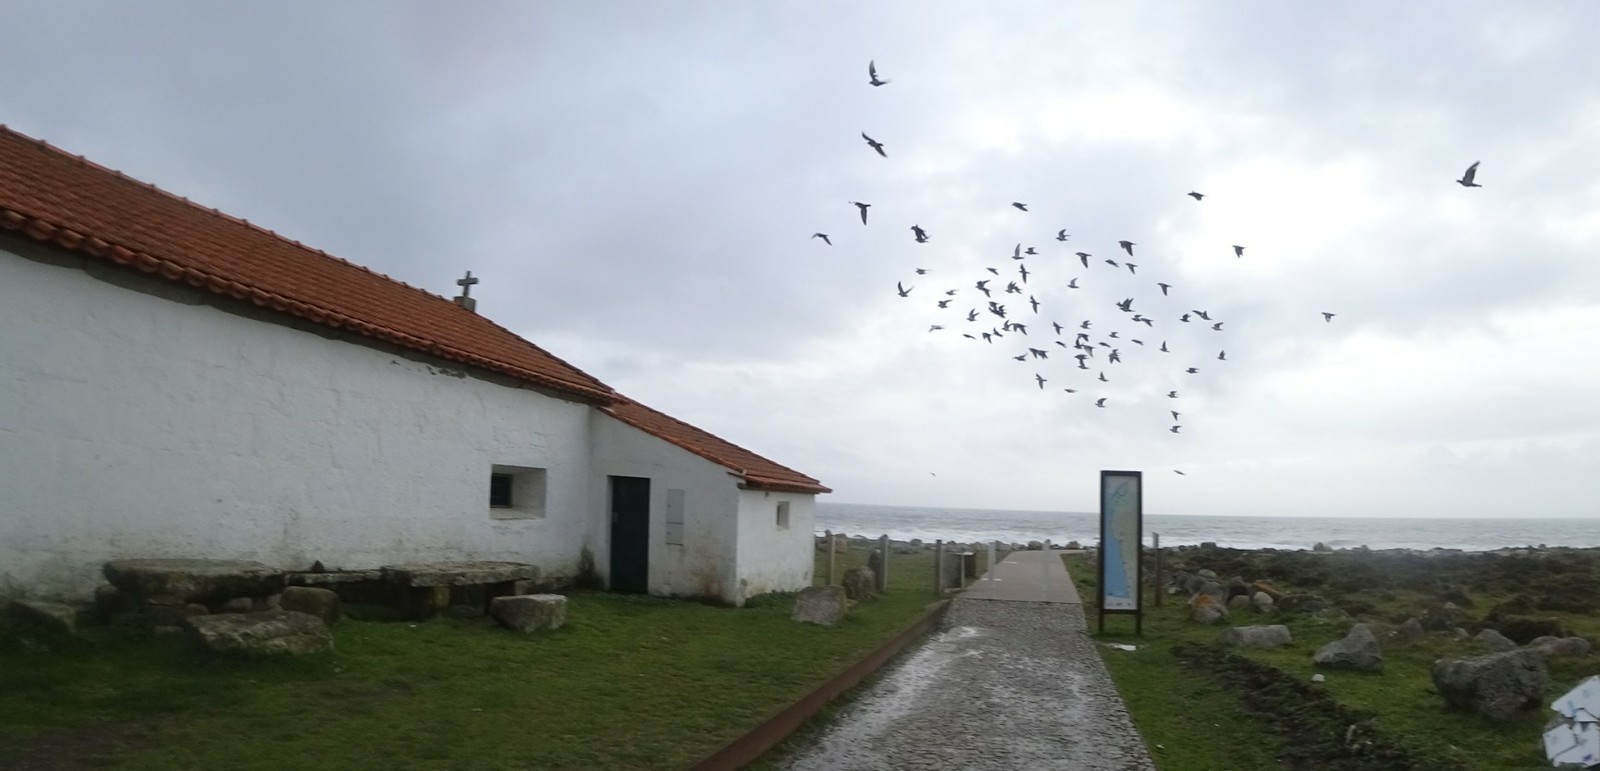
(881, 575)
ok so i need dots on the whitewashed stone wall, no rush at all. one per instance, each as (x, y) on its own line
(704, 564)
(137, 426)
(774, 558)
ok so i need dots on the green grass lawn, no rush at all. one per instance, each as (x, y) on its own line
(1170, 702)
(629, 682)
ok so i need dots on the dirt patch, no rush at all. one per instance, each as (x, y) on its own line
(90, 747)
(1323, 734)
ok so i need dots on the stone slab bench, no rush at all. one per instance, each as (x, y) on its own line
(426, 589)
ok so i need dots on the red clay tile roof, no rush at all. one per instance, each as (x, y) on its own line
(64, 200)
(69, 202)
(758, 472)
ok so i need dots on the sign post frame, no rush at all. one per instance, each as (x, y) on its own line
(1136, 581)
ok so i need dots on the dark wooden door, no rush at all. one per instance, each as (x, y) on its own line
(630, 534)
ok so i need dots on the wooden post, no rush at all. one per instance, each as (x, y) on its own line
(828, 534)
(993, 548)
(883, 564)
(1157, 544)
(938, 567)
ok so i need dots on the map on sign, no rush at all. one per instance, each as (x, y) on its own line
(1119, 527)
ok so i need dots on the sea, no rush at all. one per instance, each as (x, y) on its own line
(904, 523)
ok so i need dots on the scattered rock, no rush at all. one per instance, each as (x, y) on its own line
(1319, 678)
(1214, 590)
(1206, 609)
(528, 612)
(860, 583)
(1264, 587)
(1493, 640)
(1262, 601)
(1302, 603)
(1522, 629)
(1207, 573)
(50, 617)
(1237, 587)
(1320, 546)
(1410, 631)
(823, 605)
(1497, 686)
(268, 633)
(1273, 636)
(1357, 650)
(322, 603)
(1238, 602)
(193, 580)
(1574, 647)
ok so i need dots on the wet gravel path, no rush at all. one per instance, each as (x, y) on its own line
(1002, 685)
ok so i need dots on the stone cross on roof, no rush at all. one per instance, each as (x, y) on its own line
(465, 300)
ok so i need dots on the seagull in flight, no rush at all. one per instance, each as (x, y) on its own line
(1174, 429)
(905, 291)
(1179, 473)
(935, 327)
(872, 72)
(824, 237)
(876, 145)
(1328, 317)
(1100, 402)
(1130, 266)
(983, 286)
(924, 272)
(1112, 263)
(1040, 378)
(1021, 206)
(1164, 347)
(1164, 288)
(920, 234)
(1024, 270)
(1470, 175)
(1073, 284)
(1127, 246)
(1062, 235)
(1192, 370)
(1217, 326)
(1174, 414)
(972, 315)
(1222, 355)
(1084, 256)
(863, 207)
(1196, 196)
(1238, 251)
(1172, 394)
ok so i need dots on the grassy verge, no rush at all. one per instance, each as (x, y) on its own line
(1396, 709)
(630, 682)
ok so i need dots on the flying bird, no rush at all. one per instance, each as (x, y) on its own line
(972, 315)
(1040, 378)
(1192, 370)
(1164, 347)
(1471, 174)
(1130, 266)
(1127, 246)
(924, 272)
(1023, 357)
(983, 286)
(935, 327)
(1222, 355)
(1174, 429)
(1062, 235)
(1038, 354)
(1030, 251)
(1196, 196)
(1024, 270)
(1021, 206)
(1164, 288)
(876, 145)
(905, 291)
(1034, 303)
(1202, 314)
(1112, 263)
(944, 303)
(1100, 402)
(1174, 414)
(1328, 317)
(1172, 394)
(995, 271)
(920, 234)
(1217, 326)
(1084, 256)
(872, 73)
(1179, 473)
(1103, 378)
(863, 207)
(1073, 284)
(824, 237)
(1238, 251)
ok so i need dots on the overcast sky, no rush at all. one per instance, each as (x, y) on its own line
(636, 184)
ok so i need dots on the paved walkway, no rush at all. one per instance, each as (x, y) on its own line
(1011, 681)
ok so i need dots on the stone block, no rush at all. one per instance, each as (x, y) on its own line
(530, 612)
(238, 605)
(435, 574)
(1494, 641)
(824, 605)
(1206, 609)
(1497, 686)
(860, 583)
(193, 580)
(322, 603)
(268, 633)
(50, 617)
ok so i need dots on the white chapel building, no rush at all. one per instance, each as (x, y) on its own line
(175, 382)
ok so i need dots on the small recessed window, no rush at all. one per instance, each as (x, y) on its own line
(516, 492)
(783, 515)
(500, 491)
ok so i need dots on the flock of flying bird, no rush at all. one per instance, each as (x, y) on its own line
(992, 318)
